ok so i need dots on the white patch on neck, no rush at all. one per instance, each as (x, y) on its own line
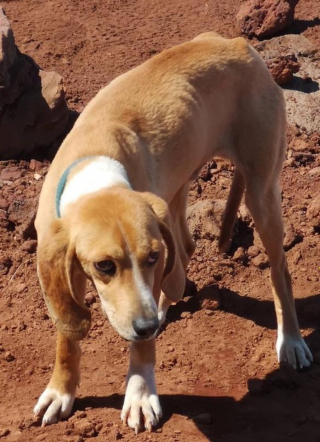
(101, 173)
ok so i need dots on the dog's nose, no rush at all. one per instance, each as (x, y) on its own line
(145, 327)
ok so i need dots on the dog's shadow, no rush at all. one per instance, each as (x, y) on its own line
(284, 406)
(275, 409)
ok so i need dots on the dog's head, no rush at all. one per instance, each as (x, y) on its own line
(116, 239)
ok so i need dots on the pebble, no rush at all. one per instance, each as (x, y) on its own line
(29, 246)
(261, 261)
(315, 171)
(9, 357)
(85, 428)
(4, 432)
(90, 298)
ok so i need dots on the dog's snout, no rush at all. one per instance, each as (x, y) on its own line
(145, 327)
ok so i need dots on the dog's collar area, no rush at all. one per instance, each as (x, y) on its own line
(63, 180)
(101, 172)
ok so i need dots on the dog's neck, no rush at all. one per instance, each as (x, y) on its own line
(99, 173)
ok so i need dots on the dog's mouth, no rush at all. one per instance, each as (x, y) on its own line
(140, 329)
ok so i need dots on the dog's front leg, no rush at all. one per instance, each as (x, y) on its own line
(141, 394)
(56, 401)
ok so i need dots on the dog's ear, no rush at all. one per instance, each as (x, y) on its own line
(173, 277)
(63, 283)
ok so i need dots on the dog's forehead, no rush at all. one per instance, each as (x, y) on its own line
(116, 233)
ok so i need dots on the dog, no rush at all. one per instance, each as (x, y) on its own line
(113, 205)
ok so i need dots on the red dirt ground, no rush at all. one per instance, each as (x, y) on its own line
(222, 363)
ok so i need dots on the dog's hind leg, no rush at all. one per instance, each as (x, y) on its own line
(264, 203)
(230, 213)
(56, 401)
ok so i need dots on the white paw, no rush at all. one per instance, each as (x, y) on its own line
(293, 350)
(53, 406)
(141, 400)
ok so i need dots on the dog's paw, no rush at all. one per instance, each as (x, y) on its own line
(141, 400)
(293, 350)
(53, 406)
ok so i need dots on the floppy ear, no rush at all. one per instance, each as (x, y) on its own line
(62, 283)
(173, 278)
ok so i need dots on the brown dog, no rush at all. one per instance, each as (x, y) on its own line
(117, 192)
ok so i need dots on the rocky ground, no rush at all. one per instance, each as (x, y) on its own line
(217, 373)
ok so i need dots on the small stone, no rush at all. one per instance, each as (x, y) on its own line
(315, 171)
(90, 298)
(37, 176)
(4, 432)
(29, 246)
(85, 428)
(313, 212)
(21, 326)
(282, 68)
(9, 357)
(186, 315)
(35, 165)
(209, 298)
(117, 435)
(19, 288)
(296, 257)
(11, 174)
(239, 254)
(253, 251)
(261, 261)
(204, 418)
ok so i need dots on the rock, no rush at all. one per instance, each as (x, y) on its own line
(313, 212)
(302, 95)
(253, 251)
(85, 428)
(282, 68)
(209, 298)
(4, 431)
(90, 298)
(32, 101)
(265, 18)
(239, 254)
(9, 357)
(11, 173)
(204, 218)
(22, 213)
(29, 246)
(291, 236)
(35, 165)
(315, 171)
(261, 261)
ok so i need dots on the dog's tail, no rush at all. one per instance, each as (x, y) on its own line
(230, 213)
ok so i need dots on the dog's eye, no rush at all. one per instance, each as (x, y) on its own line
(108, 267)
(153, 258)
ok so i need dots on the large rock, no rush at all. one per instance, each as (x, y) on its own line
(33, 111)
(302, 94)
(265, 18)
